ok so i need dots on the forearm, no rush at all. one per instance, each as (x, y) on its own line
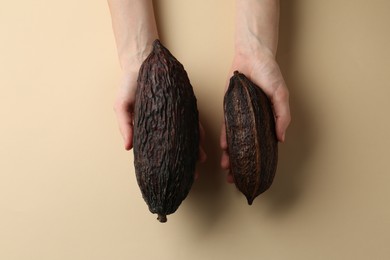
(134, 29)
(257, 23)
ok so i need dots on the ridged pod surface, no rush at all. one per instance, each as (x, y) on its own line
(251, 136)
(166, 132)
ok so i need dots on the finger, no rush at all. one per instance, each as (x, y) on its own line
(125, 122)
(202, 156)
(280, 101)
(270, 79)
(222, 140)
(201, 133)
(225, 162)
(129, 139)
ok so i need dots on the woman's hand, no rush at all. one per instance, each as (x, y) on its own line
(259, 65)
(124, 109)
(256, 41)
(135, 30)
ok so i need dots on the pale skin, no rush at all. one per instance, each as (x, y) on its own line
(256, 40)
(135, 29)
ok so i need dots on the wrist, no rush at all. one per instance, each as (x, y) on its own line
(252, 48)
(132, 57)
(257, 25)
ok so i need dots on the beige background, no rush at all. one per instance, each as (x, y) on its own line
(67, 187)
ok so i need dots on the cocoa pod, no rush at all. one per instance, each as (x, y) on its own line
(251, 136)
(166, 132)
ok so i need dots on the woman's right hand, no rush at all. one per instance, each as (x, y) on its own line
(259, 65)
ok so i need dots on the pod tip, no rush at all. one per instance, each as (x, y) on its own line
(162, 218)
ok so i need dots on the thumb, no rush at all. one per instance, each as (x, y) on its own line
(124, 116)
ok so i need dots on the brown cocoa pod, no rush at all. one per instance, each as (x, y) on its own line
(166, 132)
(251, 136)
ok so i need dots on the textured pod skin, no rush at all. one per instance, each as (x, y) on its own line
(251, 136)
(166, 132)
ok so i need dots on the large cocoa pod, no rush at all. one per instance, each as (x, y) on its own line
(166, 132)
(251, 136)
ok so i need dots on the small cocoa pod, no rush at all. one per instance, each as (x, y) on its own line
(166, 132)
(251, 136)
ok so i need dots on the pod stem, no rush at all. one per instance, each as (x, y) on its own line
(162, 218)
(250, 200)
